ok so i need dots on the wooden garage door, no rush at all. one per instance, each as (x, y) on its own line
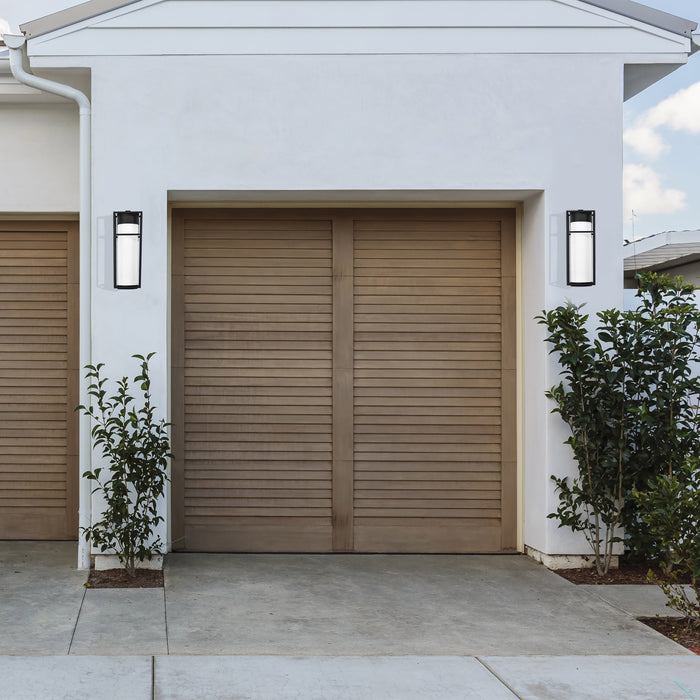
(38, 380)
(257, 384)
(429, 385)
(345, 381)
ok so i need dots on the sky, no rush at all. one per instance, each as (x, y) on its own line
(661, 178)
(662, 146)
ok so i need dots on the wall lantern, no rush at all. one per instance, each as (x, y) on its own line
(580, 248)
(127, 249)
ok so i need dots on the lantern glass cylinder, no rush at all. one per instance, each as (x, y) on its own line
(580, 248)
(127, 250)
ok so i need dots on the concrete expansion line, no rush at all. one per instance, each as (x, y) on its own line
(492, 672)
(77, 617)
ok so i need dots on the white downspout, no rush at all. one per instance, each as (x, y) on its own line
(19, 65)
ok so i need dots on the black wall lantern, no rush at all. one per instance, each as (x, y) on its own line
(580, 248)
(127, 249)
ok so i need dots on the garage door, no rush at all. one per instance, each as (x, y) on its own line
(38, 380)
(344, 381)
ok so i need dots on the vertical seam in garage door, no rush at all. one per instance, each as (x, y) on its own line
(343, 529)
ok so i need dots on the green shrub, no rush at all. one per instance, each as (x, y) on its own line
(670, 508)
(136, 450)
(592, 401)
(663, 391)
(630, 397)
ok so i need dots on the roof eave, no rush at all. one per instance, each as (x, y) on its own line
(93, 8)
(648, 15)
(71, 15)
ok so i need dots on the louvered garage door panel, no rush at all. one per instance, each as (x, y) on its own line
(257, 384)
(38, 381)
(428, 385)
(344, 380)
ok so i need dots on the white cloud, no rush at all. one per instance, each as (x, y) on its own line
(644, 192)
(645, 141)
(679, 112)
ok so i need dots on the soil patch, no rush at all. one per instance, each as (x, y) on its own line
(679, 629)
(633, 571)
(119, 578)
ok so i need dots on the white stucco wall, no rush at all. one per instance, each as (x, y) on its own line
(381, 123)
(39, 155)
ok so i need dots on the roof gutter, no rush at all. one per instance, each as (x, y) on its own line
(19, 65)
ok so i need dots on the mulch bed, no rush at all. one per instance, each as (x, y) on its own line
(676, 628)
(633, 570)
(119, 578)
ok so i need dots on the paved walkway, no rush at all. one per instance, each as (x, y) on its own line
(335, 626)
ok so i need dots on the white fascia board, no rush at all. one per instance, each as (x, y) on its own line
(95, 8)
(164, 42)
(681, 57)
(137, 29)
(70, 16)
(83, 23)
(384, 14)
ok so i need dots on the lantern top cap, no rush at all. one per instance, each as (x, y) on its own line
(127, 217)
(581, 215)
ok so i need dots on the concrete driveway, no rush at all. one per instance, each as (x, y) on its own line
(334, 605)
(389, 604)
(327, 626)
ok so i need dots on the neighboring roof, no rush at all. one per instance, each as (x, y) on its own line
(661, 251)
(92, 8)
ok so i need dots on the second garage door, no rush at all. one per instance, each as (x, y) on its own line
(344, 381)
(38, 380)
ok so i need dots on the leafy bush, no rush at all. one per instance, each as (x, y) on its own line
(630, 398)
(592, 401)
(664, 392)
(136, 448)
(670, 509)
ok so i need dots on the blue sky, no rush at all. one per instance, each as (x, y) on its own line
(662, 134)
(662, 146)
